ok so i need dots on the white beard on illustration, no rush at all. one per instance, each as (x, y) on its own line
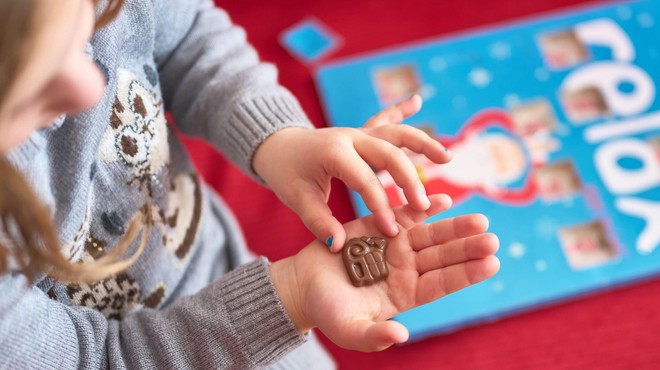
(488, 162)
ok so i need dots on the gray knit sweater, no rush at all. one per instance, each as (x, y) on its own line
(185, 303)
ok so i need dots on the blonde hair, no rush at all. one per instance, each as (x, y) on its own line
(30, 239)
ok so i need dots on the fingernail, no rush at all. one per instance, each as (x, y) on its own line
(425, 201)
(395, 227)
(329, 242)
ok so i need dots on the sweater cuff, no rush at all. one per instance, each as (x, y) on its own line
(255, 119)
(263, 328)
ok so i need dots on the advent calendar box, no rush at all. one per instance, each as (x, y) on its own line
(554, 124)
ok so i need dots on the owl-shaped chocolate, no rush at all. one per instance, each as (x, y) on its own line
(364, 259)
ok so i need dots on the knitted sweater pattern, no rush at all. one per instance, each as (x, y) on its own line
(183, 303)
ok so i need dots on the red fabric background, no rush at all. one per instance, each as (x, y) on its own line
(612, 330)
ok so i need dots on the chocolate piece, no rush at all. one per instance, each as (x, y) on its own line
(364, 259)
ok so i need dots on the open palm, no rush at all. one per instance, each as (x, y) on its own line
(426, 262)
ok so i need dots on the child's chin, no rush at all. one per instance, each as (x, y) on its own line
(52, 120)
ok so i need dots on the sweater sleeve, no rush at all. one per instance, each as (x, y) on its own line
(214, 84)
(237, 322)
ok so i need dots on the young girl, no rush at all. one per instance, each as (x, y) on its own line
(114, 178)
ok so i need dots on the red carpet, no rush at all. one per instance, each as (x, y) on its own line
(619, 329)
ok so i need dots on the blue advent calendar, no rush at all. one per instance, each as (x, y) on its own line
(554, 124)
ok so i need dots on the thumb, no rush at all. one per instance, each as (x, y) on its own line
(370, 336)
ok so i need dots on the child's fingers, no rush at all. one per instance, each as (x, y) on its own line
(396, 113)
(414, 139)
(385, 156)
(357, 175)
(438, 283)
(409, 217)
(442, 231)
(317, 216)
(457, 251)
(369, 336)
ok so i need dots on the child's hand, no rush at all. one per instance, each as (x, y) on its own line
(426, 262)
(298, 165)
